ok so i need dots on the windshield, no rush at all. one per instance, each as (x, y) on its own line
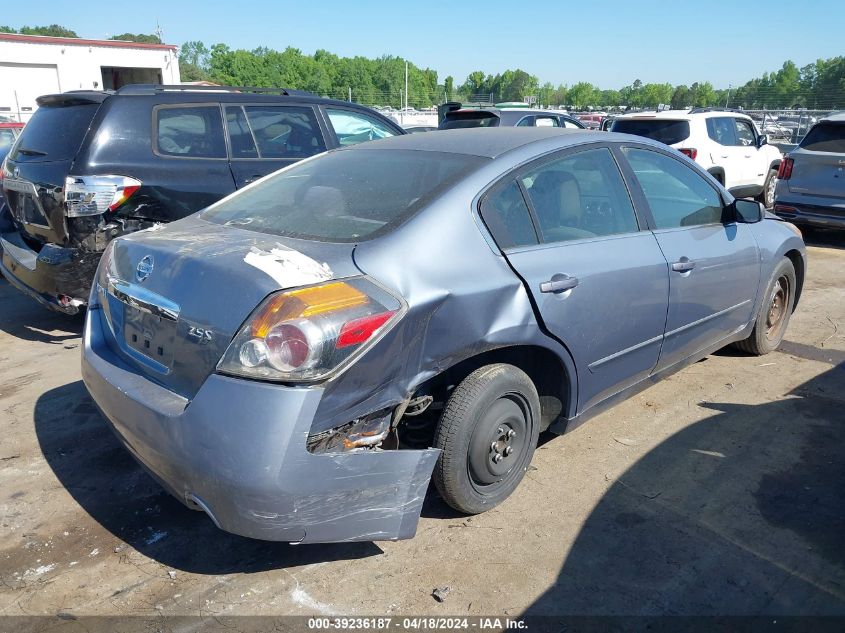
(664, 130)
(825, 137)
(460, 120)
(54, 132)
(344, 196)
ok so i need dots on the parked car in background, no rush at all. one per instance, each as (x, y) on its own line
(506, 117)
(91, 166)
(811, 179)
(9, 132)
(727, 144)
(421, 304)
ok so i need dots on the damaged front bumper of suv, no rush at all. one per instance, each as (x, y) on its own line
(238, 451)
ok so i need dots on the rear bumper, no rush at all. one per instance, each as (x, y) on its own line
(812, 211)
(237, 451)
(58, 278)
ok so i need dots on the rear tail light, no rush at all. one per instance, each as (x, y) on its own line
(311, 333)
(785, 169)
(96, 195)
(690, 152)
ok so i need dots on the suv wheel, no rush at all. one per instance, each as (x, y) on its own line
(775, 311)
(768, 196)
(487, 435)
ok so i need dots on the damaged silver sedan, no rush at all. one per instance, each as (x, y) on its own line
(301, 358)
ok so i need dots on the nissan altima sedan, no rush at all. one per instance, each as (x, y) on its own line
(301, 358)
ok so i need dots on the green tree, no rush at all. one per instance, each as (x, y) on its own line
(582, 94)
(140, 37)
(54, 30)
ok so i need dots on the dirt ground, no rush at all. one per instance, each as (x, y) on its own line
(717, 491)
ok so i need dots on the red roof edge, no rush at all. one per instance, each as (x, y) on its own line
(75, 41)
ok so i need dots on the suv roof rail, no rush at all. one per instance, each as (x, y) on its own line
(146, 89)
(709, 109)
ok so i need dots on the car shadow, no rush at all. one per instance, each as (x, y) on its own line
(825, 238)
(112, 488)
(25, 319)
(741, 513)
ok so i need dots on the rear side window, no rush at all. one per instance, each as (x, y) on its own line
(190, 131)
(676, 195)
(663, 130)
(55, 132)
(506, 215)
(285, 131)
(461, 120)
(352, 128)
(825, 137)
(722, 130)
(580, 196)
(344, 196)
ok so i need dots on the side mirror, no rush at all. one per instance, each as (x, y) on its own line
(748, 211)
(762, 140)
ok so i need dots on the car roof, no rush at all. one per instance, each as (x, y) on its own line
(835, 117)
(484, 142)
(681, 114)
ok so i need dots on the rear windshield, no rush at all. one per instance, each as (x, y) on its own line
(663, 130)
(54, 132)
(459, 120)
(344, 196)
(825, 137)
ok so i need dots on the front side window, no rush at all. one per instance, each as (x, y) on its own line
(676, 195)
(526, 122)
(722, 130)
(744, 133)
(570, 124)
(506, 215)
(580, 196)
(355, 127)
(190, 132)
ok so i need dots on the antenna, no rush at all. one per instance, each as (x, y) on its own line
(159, 33)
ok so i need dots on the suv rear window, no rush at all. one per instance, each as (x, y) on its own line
(55, 132)
(664, 130)
(825, 137)
(344, 196)
(459, 120)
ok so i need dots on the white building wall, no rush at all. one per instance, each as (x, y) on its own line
(29, 69)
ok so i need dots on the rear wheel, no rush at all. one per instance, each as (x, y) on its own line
(768, 195)
(487, 435)
(775, 311)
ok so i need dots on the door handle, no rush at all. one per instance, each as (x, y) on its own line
(724, 155)
(252, 179)
(683, 265)
(559, 283)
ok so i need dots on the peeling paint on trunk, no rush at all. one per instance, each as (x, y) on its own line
(289, 268)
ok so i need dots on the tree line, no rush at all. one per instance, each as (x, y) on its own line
(381, 81)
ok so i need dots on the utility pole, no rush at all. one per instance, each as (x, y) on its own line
(406, 83)
(350, 94)
(728, 98)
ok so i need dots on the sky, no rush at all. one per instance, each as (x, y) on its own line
(608, 43)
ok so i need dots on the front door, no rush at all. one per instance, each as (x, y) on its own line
(714, 266)
(601, 285)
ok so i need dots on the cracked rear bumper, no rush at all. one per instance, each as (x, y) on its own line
(237, 451)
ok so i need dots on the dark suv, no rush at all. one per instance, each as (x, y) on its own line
(91, 166)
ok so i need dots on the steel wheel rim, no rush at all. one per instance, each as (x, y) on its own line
(778, 306)
(498, 444)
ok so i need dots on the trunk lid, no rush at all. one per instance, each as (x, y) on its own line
(41, 159)
(180, 293)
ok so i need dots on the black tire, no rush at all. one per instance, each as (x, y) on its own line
(775, 312)
(493, 411)
(768, 195)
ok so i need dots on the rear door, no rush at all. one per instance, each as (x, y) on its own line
(265, 138)
(714, 265)
(819, 162)
(755, 164)
(568, 228)
(727, 151)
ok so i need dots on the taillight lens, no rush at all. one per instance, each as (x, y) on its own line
(690, 152)
(311, 333)
(785, 169)
(95, 195)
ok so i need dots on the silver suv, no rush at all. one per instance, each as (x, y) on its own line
(811, 179)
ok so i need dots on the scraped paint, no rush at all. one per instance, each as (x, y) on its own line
(287, 267)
